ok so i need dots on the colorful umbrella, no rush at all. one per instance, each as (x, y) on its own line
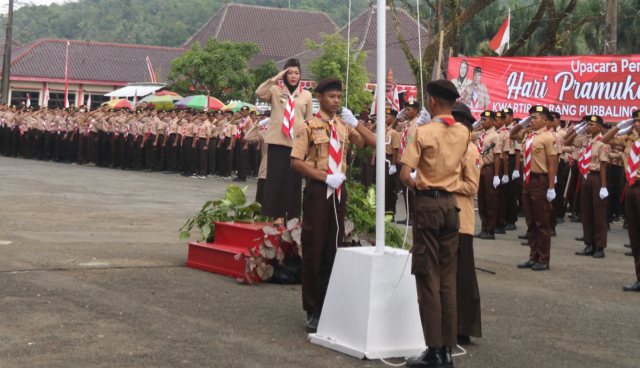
(236, 106)
(118, 104)
(198, 102)
(159, 102)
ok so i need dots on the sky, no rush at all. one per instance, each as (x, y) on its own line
(18, 3)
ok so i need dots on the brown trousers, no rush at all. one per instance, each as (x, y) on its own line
(632, 209)
(594, 211)
(434, 264)
(536, 211)
(467, 292)
(319, 241)
(502, 196)
(390, 188)
(487, 199)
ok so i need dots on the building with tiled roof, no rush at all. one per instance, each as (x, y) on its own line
(279, 32)
(364, 28)
(94, 68)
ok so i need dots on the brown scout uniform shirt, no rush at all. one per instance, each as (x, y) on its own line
(623, 143)
(271, 93)
(312, 140)
(394, 140)
(599, 152)
(471, 164)
(490, 136)
(436, 152)
(541, 147)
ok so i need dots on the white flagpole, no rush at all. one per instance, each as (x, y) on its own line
(380, 146)
(509, 28)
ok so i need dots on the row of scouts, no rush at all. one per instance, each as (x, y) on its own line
(189, 142)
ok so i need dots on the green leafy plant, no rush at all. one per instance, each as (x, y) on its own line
(231, 207)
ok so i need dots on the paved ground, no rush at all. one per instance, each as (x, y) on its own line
(63, 216)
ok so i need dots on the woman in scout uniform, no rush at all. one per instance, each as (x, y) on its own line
(322, 140)
(593, 187)
(290, 107)
(540, 168)
(627, 135)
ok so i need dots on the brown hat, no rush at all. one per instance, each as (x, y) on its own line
(541, 109)
(414, 104)
(595, 119)
(443, 89)
(329, 84)
(488, 114)
(507, 111)
(391, 112)
(462, 110)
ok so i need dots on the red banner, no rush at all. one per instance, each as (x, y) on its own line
(574, 86)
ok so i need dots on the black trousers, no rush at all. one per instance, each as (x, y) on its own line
(105, 149)
(563, 175)
(138, 152)
(226, 157)
(116, 151)
(202, 156)
(241, 158)
(151, 152)
(180, 153)
(512, 192)
(172, 153)
(127, 152)
(467, 291)
(211, 156)
(615, 184)
(189, 155)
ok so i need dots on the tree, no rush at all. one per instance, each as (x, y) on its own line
(219, 67)
(261, 73)
(330, 61)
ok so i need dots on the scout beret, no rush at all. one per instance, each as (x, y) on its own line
(541, 109)
(391, 112)
(229, 112)
(499, 114)
(329, 84)
(443, 89)
(608, 125)
(595, 119)
(414, 104)
(517, 120)
(507, 111)
(244, 108)
(292, 62)
(462, 110)
(218, 111)
(252, 112)
(636, 114)
(267, 113)
(556, 115)
(488, 114)
(371, 121)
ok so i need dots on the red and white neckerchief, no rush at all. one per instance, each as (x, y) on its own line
(13, 124)
(59, 126)
(169, 127)
(241, 126)
(53, 122)
(527, 157)
(198, 132)
(117, 132)
(126, 131)
(75, 127)
(3, 123)
(146, 136)
(481, 142)
(135, 138)
(586, 157)
(290, 115)
(335, 158)
(403, 144)
(632, 164)
(89, 127)
(22, 129)
(184, 131)
(224, 131)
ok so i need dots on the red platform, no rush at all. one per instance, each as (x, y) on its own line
(230, 238)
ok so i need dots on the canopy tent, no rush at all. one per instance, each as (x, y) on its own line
(136, 89)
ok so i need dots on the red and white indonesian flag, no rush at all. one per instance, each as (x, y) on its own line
(501, 38)
(45, 97)
(66, 79)
(89, 102)
(153, 76)
(28, 100)
(392, 97)
(374, 103)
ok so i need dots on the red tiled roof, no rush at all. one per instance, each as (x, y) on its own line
(94, 61)
(279, 32)
(364, 27)
(14, 45)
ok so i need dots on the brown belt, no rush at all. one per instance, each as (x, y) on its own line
(538, 174)
(593, 172)
(488, 165)
(432, 193)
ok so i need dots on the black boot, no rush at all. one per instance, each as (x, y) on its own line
(446, 356)
(431, 358)
(589, 250)
(313, 318)
(599, 253)
(634, 287)
(510, 227)
(464, 340)
(627, 245)
(553, 231)
(580, 238)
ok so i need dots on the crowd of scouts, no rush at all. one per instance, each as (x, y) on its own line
(438, 156)
(189, 142)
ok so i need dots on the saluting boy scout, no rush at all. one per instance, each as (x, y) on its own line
(323, 141)
(501, 129)
(489, 175)
(392, 154)
(540, 168)
(406, 129)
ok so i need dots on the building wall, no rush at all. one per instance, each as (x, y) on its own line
(77, 92)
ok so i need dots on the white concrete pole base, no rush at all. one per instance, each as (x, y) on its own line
(360, 287)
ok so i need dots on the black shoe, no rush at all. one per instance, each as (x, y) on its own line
(577, 219)
(480, 234)
(527, 264)
(487, 236)
(616, 220)
(599, 253)
(553, 231)
(525, 243)
(446, 356)
(240, 180)
(167, 172)
(500, 230)
(580, 238)
(431, 358)
(521, 214)
(589, 250)
(634, 287)
(630, 254)
(407, 221)
(627, 245)
(523, 237)
(560, 220)
(540, 267)
(510, 227)
(313, 318)
(464, 340)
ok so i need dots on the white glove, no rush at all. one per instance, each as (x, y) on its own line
(515, 175)
(524, 123)
(400, 114)
(477, 124)
(625, 124)
(413, 175)
(335, 180)
(263, 122)
(347, 117)
(582, 128)
(424, 118)
(555, 179)
(604, 193)
(392, 169)
(625, 131)
(496, 181)
(551, 195)
(505, 179)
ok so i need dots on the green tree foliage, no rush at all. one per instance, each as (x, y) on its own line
(261, 73)
(220, 67)
(330, 61)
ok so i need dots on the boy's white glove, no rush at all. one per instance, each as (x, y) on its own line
(335, 180)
